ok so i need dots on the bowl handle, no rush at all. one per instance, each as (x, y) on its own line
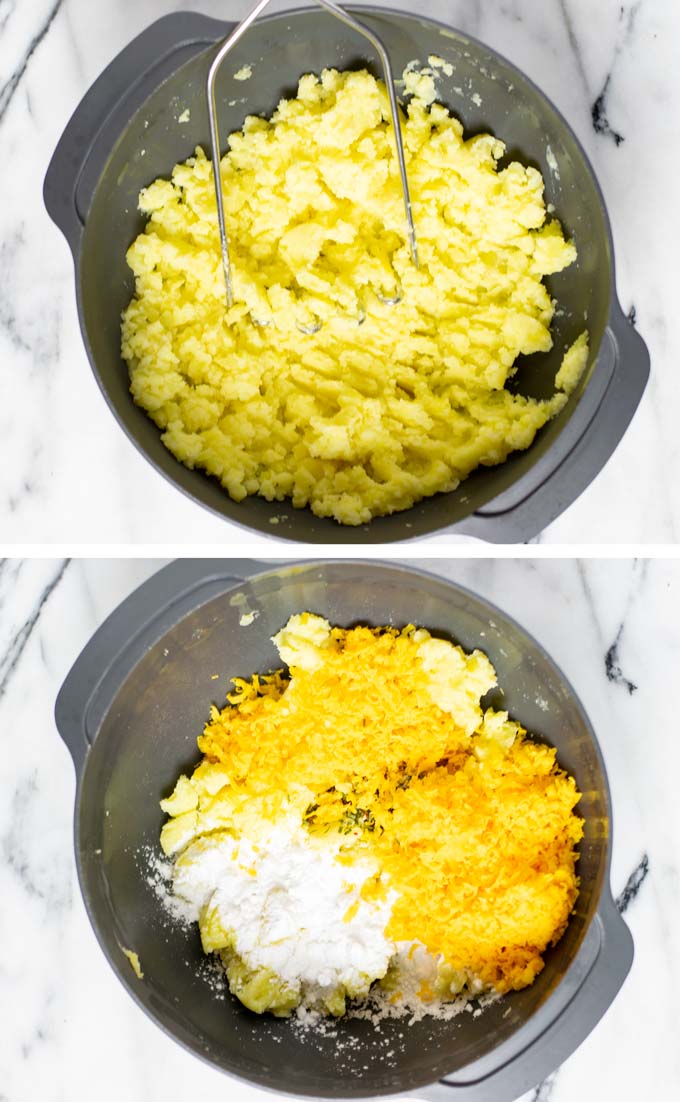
(113, 98)
(130, 630)
(562, 1035)
(586, 443)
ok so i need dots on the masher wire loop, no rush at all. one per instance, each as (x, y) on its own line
(225, 49)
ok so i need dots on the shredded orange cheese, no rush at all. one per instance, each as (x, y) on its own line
(475, 832)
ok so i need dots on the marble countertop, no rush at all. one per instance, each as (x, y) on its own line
(67, 469)
(69, 1029)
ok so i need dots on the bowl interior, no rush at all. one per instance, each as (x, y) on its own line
(485, 92)
(148, 735)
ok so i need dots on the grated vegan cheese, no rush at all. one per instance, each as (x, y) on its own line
(402, 391)
(451, 832)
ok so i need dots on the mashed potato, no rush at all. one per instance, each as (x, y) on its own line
(388, 401)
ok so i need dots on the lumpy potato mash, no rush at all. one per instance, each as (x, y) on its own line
(400, 392)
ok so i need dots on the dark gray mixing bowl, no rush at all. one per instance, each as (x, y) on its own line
(125, 133)
(130, 711)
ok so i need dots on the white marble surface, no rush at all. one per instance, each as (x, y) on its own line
(70, 1032)
(67, 472)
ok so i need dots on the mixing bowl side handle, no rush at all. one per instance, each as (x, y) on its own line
(129, 79)
(589, 441)
(129, 632)
(564, 1035)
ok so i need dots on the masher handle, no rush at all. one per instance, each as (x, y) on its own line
(225, 49)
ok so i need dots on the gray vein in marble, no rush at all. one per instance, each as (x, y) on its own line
(612, 665)
(8, 323)
(29, 106)
(573, 42)
(630, 18)
(25, 489)
(613, 668)
(7, 8)
(611, 661)
(11, 847)
(12, 656)
(543, 1092)
(633, 884)
(9, 248)
(9, 88)
(73, 40)
(589, 596)
(48, 882)
(601, 123)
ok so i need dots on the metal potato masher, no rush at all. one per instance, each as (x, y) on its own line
(222, 53)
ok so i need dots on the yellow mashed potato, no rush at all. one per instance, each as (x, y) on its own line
(387, 402)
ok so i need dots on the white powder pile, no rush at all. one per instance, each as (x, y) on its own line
(292, 907)
(348, 1048)
(380, 1005)
(158, 876)
(212, 973)
(413, 969)
(307, 903)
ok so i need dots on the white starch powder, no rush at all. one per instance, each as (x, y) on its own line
(293, 908)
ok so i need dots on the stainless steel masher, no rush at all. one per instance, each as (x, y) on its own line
(222, 53)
